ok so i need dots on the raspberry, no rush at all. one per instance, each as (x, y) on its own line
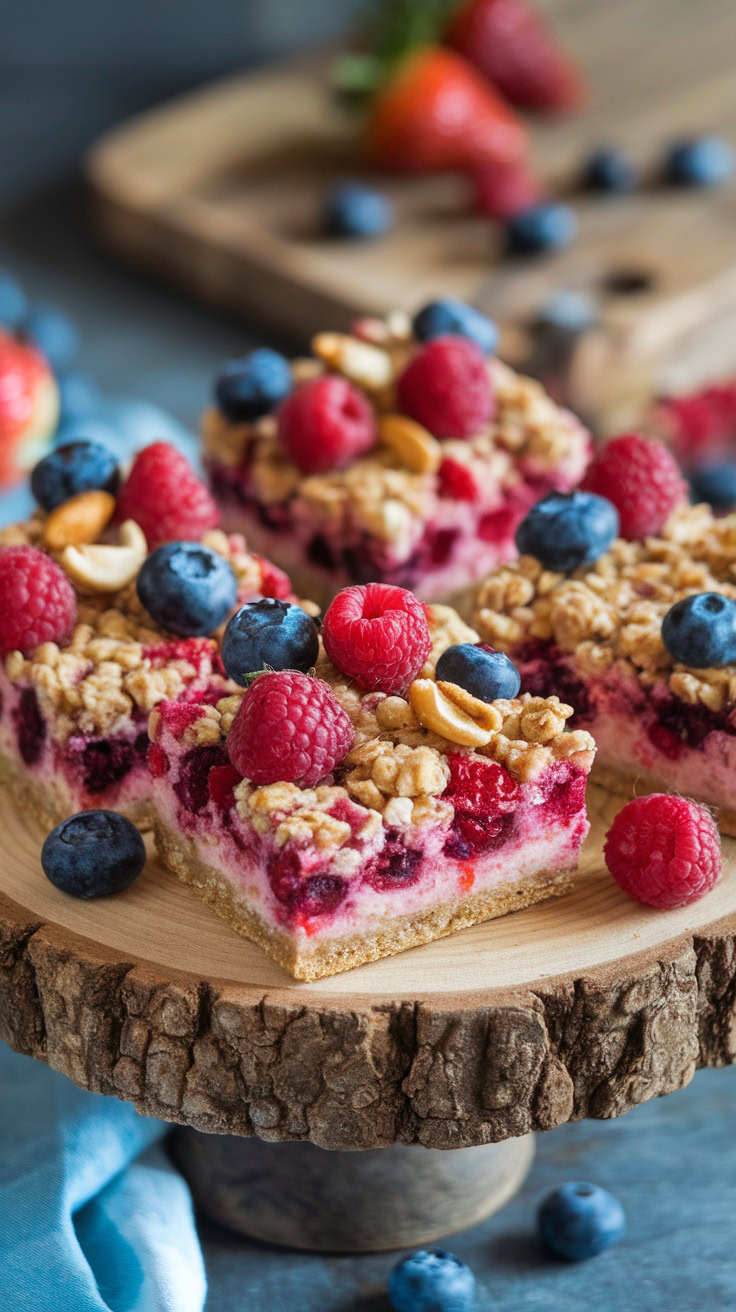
(483, 794)
(664, 850)
(221, 783)
(456, 481)
(378, 635)
(275, 582)
(642, 479)
(164, 496)
(325, 424)
(289, 727)
(505, 188)
(37, 601)
(446, 387)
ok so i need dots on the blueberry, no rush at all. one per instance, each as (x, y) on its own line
(187, 588)
(610, 169)
(701, 162)
(269, 633)
(78, 397)
(578, 1221)
(459, 319)
(567, 529)
(716, 483)
(93, 853)
(252, 386)
(701, 630)
(13, 303)
(543, 228)
(573, 312)
(481, 671)
(355, 210)
(54, 334)
(431, 1282)
(72, 468)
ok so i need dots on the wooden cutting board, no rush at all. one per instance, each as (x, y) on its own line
(220, 192)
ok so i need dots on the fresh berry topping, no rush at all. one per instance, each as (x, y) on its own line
(53, 334)
(436, 113)
(13, 303)
(37, 601)
(222, 781)
(164, 496)
(76, 467)
(704, 162)
(269, 634)
(505, 189)
(354, 210)
(378, 635)
(455, 318)
(512, 46)
(79, 395)
(187, 588)
(715, 482)
(567, 529)
(578, 1221)
(701, 630)
(664, 850)
(456, 481)
(290, 728)
(326, 423)
(544, 227)
(275, 582)
(431, 1282)
(610, 169)
(641, 478)
(480, 670)
(252, 386)
(93, 853)
(446, 387)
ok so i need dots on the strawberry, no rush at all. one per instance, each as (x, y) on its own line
(436, 113)
(29, 407)
(514, 49)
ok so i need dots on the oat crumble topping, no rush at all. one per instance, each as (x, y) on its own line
(609, 615)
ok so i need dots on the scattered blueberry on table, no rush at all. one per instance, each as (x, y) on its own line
(252, 386)
(701, 162)
(610, 169)
(578, 1220)
(352, 209)
(545, 227)
(481, 671)
(187, 588)
(569, 311)
(715, 482)
(431, 1281)
(93, 853)
(269, 633)
(567, 529)
(457, 318)
(80, 466)
(701, 630)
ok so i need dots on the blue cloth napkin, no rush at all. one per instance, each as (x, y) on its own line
(93, 1216)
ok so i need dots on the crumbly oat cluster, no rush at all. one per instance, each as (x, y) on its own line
(117, 662)
(610, 614)
(398, 768)
(392, 490)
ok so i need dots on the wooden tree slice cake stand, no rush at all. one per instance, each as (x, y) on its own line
(581, 1006)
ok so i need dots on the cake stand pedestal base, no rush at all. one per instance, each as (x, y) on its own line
(301, 1196)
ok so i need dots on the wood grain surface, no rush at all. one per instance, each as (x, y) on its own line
(221, 191)
(582, 1006)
